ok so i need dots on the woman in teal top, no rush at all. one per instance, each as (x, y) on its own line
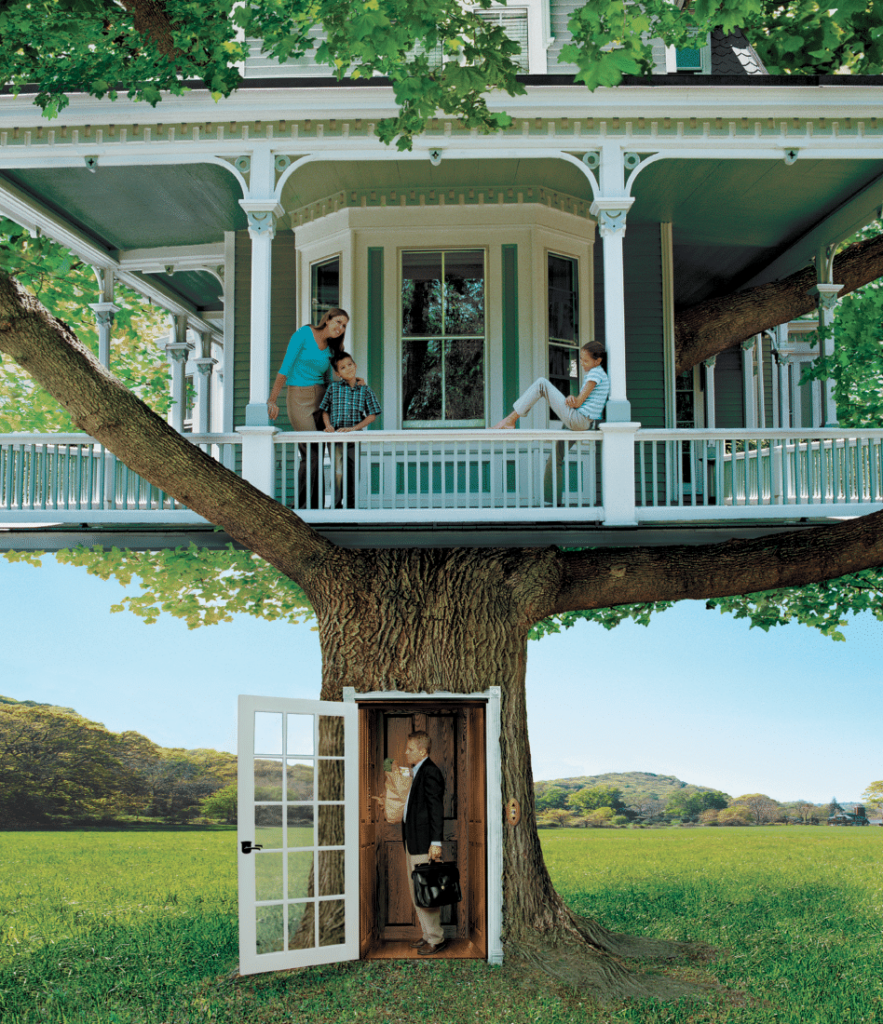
(306, 370)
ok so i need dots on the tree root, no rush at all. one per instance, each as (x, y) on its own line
(581, 966)
(639, 946)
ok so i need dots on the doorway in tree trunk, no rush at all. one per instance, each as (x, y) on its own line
(457, 730)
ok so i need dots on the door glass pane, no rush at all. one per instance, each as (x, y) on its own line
(300, 735)
(421, 294)
(300, 875)
(330, 736)
(270, 930)
(300, 825)
(299, 779)
(563, 324)
(331, 780)
(301, 925)
(331, 873)
(268, 732)
(331, 922)
(267, 779)
(331, 825)
(268, 826)
(324, 288)
(268, 876)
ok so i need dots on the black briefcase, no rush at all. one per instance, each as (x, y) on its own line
(436, 884)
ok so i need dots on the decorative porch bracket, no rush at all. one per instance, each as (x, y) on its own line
(611, 215)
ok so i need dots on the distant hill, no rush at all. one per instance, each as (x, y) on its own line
(634, 785)
(35, 704)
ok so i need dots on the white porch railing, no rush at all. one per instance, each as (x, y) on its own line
(400, 476)
(683, 474)
(59, 477)
(464, 476)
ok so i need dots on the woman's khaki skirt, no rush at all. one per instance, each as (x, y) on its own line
(301, 403)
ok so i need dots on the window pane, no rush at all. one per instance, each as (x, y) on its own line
(300, 734)
(300, 825)
(267, 779)
(332, 923)
(331, 780)
(268, 732)
(331, 873)
(268, 827)
(300, 875)
(421, 294)
(324, 288)
(331, 830)
(299, 780)
(563, 299)
(301, 925)
(270, 929)
(267, 875)
(422, 380)
(330, 736)
(464, 380)
(464, 293)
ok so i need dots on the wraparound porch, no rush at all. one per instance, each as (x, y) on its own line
(621, 476)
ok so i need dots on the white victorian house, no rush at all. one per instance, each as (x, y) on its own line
(470, 266)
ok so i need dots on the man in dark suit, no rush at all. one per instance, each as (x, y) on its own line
(422, 825)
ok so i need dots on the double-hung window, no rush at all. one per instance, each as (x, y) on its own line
(563, 275)
(444, 338)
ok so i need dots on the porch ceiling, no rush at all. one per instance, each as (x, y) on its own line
(140, 207)
(733, 218)
(198, 287)
(326, 178)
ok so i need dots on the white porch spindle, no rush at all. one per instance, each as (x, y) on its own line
(784, 392)
(710, 408)
(177, 351)
(262, 217)
(611, 214)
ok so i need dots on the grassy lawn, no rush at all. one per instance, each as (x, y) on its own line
(120, 927)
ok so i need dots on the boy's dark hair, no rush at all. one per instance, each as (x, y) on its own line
(338, 357)
(595, 349)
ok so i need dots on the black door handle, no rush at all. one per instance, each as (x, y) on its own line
(247, 846)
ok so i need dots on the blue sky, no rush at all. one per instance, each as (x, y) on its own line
(696, 694)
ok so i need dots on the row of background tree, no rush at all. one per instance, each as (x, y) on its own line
(57, 767)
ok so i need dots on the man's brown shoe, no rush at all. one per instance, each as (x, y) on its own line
(419, 943)
(428, 950)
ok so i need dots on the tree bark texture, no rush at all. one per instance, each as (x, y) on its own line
(710, 327)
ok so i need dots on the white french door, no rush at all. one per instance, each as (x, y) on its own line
(298, 833)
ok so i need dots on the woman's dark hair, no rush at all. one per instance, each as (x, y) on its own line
(335, 343)
(339, 357)
(595, 349)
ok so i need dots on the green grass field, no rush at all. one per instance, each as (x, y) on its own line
(123, 927)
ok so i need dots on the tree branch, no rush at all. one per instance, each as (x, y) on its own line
(710, 327)
(609, 577)
(152, 21)
(101, 405)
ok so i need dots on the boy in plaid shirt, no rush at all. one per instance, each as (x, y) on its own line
(347, 406)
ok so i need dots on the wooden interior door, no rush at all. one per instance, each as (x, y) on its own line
(457, 734)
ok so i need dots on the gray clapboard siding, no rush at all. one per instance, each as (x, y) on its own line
(645, 367)
(728, 390)
(283, 321)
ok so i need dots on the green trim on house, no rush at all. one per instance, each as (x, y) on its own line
(511, 338)
(375, 325)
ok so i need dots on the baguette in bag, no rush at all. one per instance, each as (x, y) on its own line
(398, 784)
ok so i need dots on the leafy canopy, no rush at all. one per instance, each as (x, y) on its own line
(438, 55)
(66, 286)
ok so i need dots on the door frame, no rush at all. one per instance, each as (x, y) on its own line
(494, 793)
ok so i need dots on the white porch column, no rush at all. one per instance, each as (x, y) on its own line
(749, 396)
(618, 473)
(104, 311)
(177, 351)
(203, 389)
(257, 457)
(827, 297)
(262, 216)
(784, 392)
(611, 214)
(710, 408)
(796, 404)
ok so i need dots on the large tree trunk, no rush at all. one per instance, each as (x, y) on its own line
(425, 621)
